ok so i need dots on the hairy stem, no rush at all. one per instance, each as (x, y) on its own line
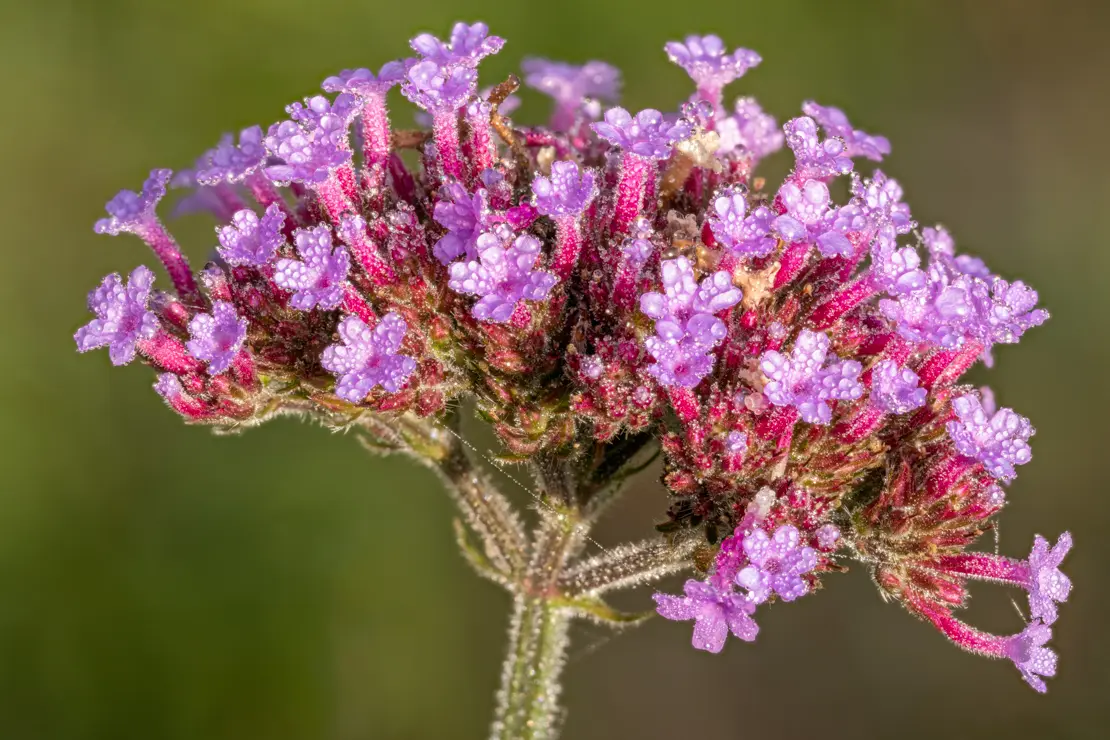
(527, 707)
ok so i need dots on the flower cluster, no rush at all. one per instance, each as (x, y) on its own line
(611, 276)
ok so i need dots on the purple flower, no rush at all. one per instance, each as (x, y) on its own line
(464, 216)
(880, 200)
(736, 442)
(835, 123)
(827, 537)
(686, 328)
(813, 158)
(122, 318)
(249, 240)
(217, 337)
(468, 45)
(649, 134)
(566, 193)
(743, 236)
(1000, 441)
(709, 64)
(895, 269)
(805, 382)
(320, 112)
(715, 614)
(503, 277)
(1028, 653)
(231, 163)
(437, 88)
(1047, 584)
(637, 251)
(1007, 312)
(776, 564)
(942, 248)
(367, 357)
(895, 389)
(751, 130)
(317, 280)
(310, 153)
(362, 82)
(570, 84)
(130, 210)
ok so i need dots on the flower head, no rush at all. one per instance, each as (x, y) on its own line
(835, 123)
(1000, 442)
(465, 216)
(567, 192)
(309, 153)
(362, 82)
(815, 158)
(319, 276)
(776, 564)
(122, 318)
(805, 381)
(502, 277)
(1047, 583)
(750, 130)
(250, 240)
(570, 84)
(1031, 657)
(366, 358)
(230, 162)
(649, 134)
(439, 88)
(715, 614)
(895, 389)
(130, 210)
(708, 62)
(468, 45)
(217, 337)
(744, 236)
(686, 328)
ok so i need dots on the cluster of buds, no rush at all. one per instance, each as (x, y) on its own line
(610, 277)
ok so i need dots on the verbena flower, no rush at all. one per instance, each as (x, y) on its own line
(598, 286)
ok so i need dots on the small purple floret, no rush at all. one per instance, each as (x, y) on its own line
(217, 337)
(805, 382)
(308, 155)
(776, 564)
(708, 62)
(319, 278)
(464, 216)
(437, 88)
(1028, 653)
(649, 134)
(469, 44)
(813, 158)
(230, 162)
(366, 358)
(249, 240)
(122, 318)
(715, 614)
(750, 130)
(744, 236)
(567, 192)
(1047, 583)
(895, 389)
(502, 277)
(686, 328)
(570, 84)
(362, 82)
(828, 535)
(1000, 441)
(835, 123)
(130, 210)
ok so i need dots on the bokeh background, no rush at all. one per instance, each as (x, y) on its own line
(158, 582)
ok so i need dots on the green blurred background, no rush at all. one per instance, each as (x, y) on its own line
(158, 582)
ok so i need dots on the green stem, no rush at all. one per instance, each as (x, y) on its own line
(527, 703)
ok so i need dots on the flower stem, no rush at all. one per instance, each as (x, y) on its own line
(527, 707)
